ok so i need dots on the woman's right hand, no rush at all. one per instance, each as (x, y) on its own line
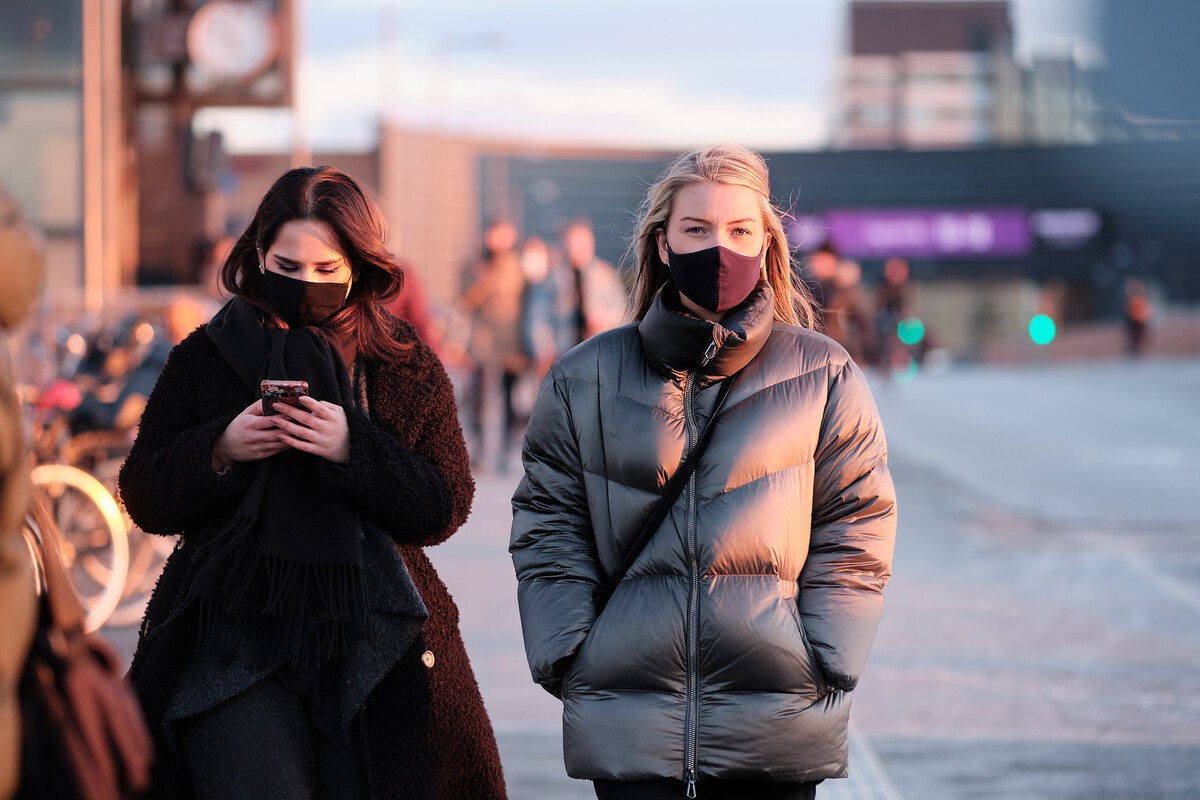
(250, 436)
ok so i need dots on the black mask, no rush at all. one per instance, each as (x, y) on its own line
(305, 302)
(716, 279)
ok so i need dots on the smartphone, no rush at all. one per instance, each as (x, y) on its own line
(288, 392)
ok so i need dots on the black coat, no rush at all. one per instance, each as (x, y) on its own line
(423, 731)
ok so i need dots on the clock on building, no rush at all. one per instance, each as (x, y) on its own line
(232, 41)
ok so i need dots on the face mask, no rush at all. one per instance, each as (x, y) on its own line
(716, 279)
(305, 302)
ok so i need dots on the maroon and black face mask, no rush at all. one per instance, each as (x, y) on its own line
(716, 279)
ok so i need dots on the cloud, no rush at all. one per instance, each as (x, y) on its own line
(667, 74)
(346, 94)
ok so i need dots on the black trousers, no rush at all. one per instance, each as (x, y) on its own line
(705, 790)
(263, 744)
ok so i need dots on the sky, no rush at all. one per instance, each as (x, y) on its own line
(663, 74)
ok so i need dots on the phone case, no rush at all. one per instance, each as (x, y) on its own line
(279, 391)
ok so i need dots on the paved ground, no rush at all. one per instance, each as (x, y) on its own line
(1042, 635)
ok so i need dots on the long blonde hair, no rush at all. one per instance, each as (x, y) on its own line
(721, 163)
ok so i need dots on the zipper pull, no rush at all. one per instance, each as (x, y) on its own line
(691, 784)
(709, 353)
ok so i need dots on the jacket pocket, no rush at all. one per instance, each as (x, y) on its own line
(568, 672)
(814, 665)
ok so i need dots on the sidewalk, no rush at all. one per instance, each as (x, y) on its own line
(1042, 631)
(476, 566)
(1172, 334)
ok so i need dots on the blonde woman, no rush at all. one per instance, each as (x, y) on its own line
(724, 661)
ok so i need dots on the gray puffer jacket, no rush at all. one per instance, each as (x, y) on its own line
(731, 647)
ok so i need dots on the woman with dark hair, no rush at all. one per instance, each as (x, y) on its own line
(723, 662)
(299, 642)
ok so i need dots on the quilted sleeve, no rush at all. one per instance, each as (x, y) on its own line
(552, 545)
(853, 531)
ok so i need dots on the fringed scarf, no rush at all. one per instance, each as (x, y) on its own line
(285, 572)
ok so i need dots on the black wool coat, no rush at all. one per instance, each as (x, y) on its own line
(423, 731)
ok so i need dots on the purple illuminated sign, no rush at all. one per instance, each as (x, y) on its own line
(961, 233)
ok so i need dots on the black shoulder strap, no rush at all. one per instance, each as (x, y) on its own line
(670, 494)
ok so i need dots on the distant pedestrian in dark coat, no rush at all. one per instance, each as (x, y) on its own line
(299, 642)
(846, 314)
(1136, 313)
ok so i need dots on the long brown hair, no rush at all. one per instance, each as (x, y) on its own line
(327, 195)
(729, 164)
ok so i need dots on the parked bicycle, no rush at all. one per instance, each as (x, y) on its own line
(95, 541)
(82, 424)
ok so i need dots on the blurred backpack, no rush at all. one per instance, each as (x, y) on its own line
(84, 733)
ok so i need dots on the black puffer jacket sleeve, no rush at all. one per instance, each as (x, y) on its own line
(409, 469)
(553, 546)
(853, 531)
(167, 482)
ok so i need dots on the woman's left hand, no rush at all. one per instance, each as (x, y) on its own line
(321, 429)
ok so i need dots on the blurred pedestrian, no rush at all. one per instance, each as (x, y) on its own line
(846, 313)
(723, 664)
(819, 273)
(545, 331)
(493, 298)
(412, 306)
(891, 306)
(1136, 311)
(21, 257)
(299, 642)
(597, 299)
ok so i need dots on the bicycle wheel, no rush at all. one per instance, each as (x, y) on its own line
(147, 552)
(32, 537)
(95, 541)
(147, 555)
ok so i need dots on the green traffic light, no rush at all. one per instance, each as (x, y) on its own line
(1042, 329)
(910, 330)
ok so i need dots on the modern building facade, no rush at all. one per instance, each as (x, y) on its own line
(42, 120)
(942, 75)
(1079, 220)
(929, 75)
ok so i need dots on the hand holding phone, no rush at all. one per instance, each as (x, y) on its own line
(321, 431)
(282, 391)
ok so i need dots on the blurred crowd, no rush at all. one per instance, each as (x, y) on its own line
(522, 305)
(866, 320)
(526, 301)
(523, 302)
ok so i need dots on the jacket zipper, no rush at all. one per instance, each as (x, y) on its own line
(693, 656)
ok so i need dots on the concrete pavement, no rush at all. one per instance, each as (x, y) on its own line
(1042, 633)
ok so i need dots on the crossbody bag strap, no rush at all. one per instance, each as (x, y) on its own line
(66, 610)
(670, 494)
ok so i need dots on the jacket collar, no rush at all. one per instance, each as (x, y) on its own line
(677, 342)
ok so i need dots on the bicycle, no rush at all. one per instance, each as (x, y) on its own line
(95, 541)
(112, 563)
(101, 454)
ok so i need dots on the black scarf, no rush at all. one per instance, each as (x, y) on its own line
(286, 570)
